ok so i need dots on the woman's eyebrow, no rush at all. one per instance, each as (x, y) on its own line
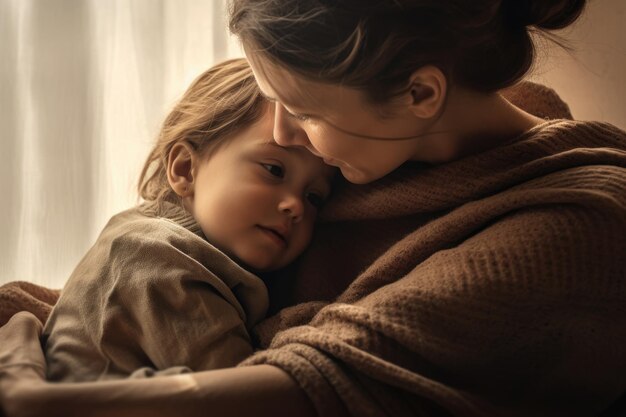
(275, 100)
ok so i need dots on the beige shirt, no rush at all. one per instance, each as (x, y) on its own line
(152, 294)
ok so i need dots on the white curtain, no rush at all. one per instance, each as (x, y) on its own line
(84, 85)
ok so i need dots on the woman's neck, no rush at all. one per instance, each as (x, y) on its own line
(474, 123)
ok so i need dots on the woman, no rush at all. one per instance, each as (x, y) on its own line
(478, 273)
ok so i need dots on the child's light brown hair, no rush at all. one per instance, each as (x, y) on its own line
(220, 102)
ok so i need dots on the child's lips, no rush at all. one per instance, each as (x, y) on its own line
(275, 234)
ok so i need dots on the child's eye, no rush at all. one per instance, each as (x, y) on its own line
(275, 170)
(316, 200)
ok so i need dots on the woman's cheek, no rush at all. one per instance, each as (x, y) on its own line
(324, 140)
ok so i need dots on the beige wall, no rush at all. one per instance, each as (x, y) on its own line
(592, 79)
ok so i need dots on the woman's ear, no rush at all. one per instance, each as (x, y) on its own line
(428, 91)
(180, 168)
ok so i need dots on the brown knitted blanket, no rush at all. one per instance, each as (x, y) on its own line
(492, 285)
(20, 295)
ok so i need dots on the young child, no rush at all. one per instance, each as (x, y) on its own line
(168, 286)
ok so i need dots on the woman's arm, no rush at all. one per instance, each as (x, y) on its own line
(259, 390)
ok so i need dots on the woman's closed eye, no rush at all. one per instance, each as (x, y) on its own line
(275, 170)
(300, 117)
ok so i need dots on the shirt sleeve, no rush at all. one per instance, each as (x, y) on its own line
(167, 310)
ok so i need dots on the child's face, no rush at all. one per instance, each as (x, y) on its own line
(258, 201)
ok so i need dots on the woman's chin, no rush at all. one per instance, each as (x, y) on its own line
(356, 177)
(365, 176)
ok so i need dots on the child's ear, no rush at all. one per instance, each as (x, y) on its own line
(180, 168)
(427, 91)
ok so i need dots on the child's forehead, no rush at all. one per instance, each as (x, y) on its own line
(297, 152)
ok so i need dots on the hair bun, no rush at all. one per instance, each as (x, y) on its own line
(545, 14)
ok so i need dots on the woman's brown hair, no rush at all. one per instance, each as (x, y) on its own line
(374, 45)
(220, 102)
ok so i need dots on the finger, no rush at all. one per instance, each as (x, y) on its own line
(19, 342)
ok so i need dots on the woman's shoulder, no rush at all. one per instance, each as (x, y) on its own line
(554, 148)
(559, 148)
(580, 133)
(574, 160)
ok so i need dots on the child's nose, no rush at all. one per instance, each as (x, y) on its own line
(287, 132)
(292, 206)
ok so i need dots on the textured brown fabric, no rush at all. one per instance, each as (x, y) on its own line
(538, 99)
(492, 285)
(20, 295)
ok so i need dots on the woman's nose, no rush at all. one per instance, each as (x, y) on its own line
(292, 206)
(287, 132)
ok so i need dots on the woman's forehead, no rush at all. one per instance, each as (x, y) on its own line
(278, 84)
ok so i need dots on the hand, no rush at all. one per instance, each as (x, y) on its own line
(261, 390)
(22, 362)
